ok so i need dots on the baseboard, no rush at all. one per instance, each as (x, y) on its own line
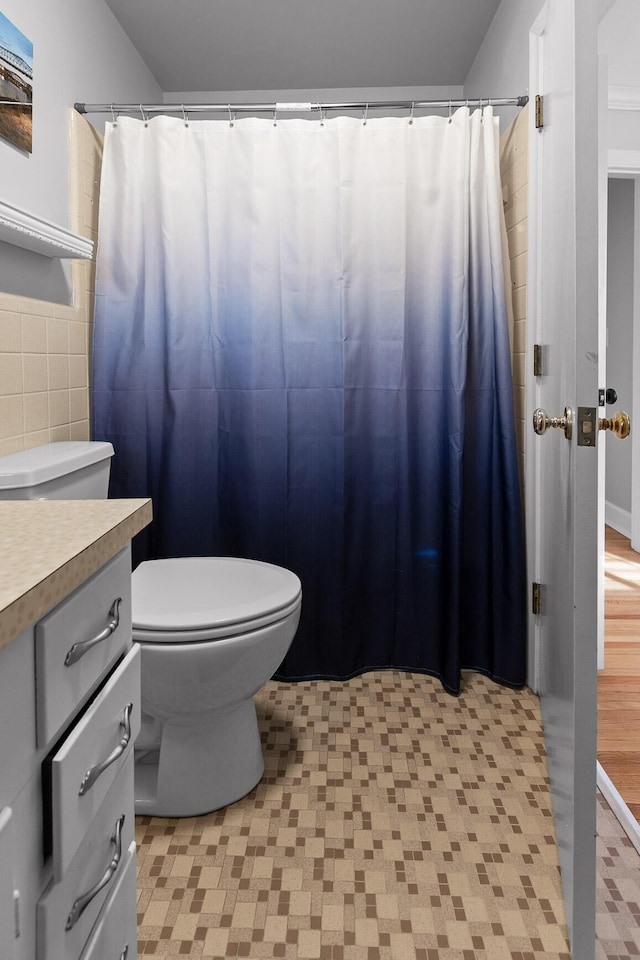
(618, 807)
(618, 518)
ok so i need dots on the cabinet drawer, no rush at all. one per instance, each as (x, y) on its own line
(67, 911)
(7, 916)
(84, 768)
(115, 935)
(77, 642)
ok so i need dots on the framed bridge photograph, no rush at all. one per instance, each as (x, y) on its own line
(16, 85)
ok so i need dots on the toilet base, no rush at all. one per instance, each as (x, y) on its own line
(200, 769)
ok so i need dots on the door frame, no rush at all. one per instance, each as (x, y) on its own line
(625, 164)
(531, 462)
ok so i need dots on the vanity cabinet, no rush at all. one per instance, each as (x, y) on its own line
(69, 715)
(7, 921)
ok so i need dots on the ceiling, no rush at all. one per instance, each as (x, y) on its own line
(213, 45)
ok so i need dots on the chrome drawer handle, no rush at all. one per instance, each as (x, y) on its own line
(79, 649)
(83, 902)
(94, 772)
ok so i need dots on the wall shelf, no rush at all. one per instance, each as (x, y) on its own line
(24, 229)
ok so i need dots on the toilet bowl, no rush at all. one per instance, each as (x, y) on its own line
(212, 631)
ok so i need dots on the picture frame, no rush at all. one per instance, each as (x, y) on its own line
(16, 86)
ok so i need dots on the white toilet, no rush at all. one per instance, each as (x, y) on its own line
(212, 631)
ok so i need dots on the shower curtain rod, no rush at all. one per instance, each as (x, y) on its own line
(146, 110)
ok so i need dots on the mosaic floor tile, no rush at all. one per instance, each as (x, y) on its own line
(393, 822)
(617, 890)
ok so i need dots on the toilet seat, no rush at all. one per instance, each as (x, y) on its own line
(198, 599)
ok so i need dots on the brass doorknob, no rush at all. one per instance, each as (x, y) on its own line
(619, 424)
(543, 422)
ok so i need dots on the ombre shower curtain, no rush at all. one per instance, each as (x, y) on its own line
(301, 354)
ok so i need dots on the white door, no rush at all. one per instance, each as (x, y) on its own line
(562, 475)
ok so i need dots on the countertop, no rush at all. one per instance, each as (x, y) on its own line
(49, 547)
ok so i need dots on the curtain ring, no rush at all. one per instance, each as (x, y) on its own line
(144, 116)
(185, 115)
(322, 116)
(275, 116)
(114, 117)
(450, 105)
(364, 114)
(232, 116)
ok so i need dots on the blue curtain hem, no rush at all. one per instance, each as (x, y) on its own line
(454, 691)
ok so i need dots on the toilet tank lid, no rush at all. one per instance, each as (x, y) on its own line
(29, 468)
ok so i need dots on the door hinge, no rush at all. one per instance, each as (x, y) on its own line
(537, 360)
(539, 114)
(536, 599)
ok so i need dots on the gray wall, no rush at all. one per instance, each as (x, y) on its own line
(501, 68)
(623, 129)
(80, 53)
(620, 334)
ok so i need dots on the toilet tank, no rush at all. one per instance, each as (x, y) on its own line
(68, 470)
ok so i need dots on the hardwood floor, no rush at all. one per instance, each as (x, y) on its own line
(619, 682)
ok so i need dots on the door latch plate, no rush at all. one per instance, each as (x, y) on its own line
(587, 427)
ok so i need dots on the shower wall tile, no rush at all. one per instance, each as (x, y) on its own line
(519, 271)
(36, 377)
(79, 430)
(36, 439)
(34, 333)
(44, 347)
(58, 408)
(57, 434)
(36, 412)
(519, 336)
(64, 312)
(78, 371)
(90, 212)
(78, 339)
(507, 150)
(10, 332)
(57, 336)
(514, 165)
(11, 417)
(90, 173)
(78, 406)
(521, 170)
(37, 308)
(516, 207)
(519, 299)
(58, 369)
(7, 301)
(10, 373)
(518, 239)
(519, 370)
